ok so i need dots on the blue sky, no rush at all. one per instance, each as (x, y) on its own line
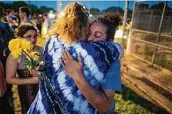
(89, 4)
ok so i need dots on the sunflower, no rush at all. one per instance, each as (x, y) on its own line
(26, 45)
(34, 56)
(18, 45)
(16, 53)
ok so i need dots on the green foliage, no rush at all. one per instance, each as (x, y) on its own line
(114, 9)
(95, 11)
(34, 9)
(130, 103)
(44, 9)
(158, 6)
(143, 5)
(17, 4)
(31, 63)
(5, 6)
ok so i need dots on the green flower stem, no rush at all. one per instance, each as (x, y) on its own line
(28, 56)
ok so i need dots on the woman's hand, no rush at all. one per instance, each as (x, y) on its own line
(101, 101)
(35, 73)
(75, 70)
(72, 67)
(34, 80)
(37, 70)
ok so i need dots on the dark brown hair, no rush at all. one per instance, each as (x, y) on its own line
(111, 21)
(23, 28)
(25, 10)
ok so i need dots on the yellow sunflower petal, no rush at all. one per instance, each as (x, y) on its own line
(34, 55)
(26, 45)
(17, 53)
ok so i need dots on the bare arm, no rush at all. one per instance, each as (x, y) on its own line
(101, 101)
(11, 69)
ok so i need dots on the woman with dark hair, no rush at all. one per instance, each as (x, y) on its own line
(103, 98)
(70, 33)
(17, 72)
(108, 24)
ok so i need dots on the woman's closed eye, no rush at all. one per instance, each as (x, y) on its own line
(98, 35)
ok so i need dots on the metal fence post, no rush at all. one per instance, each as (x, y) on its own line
(159, 32)
(129, 43)
(124, 21)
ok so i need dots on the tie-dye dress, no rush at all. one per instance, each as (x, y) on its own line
(97, 57)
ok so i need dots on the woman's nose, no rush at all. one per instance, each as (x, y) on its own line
(91, 38)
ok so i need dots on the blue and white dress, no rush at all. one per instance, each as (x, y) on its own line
(97, 57)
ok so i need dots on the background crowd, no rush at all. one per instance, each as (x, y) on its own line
(22, 24)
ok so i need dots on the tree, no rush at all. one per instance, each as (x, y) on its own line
(44, 9)
(34, 9)
(142, 5)
(5, 6)
(95, 11)
(113, 10)
(16, 5)
(158, 6)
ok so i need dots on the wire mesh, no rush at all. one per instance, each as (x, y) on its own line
(164, 58)
(142, 35)
(142, 50)
(148, 15)
(167, 24)
(151, 41)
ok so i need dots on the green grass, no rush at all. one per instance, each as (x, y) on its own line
(130, 103)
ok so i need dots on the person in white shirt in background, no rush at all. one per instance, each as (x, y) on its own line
(45, 25)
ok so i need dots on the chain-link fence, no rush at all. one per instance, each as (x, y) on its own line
(151, 33)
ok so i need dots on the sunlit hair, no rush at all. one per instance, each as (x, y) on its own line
(72, 25)
(23, 28)
(111, 21)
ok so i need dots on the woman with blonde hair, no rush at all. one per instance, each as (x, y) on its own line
(58, 92)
